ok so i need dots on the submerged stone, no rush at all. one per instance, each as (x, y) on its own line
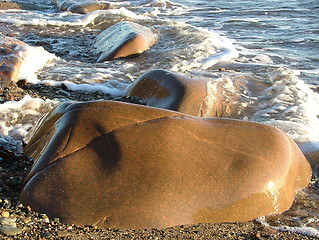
(124, 39)
(121, 165)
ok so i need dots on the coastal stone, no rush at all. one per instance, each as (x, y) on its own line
(10, 60)
(11, 222)
(121, 165)
(10, 231)
(5, 214)
(62, 233)
(46, 234)
(122, 40)
(81, 6)
(26, 220)
(168, 90)
(200, 97)
(87, 7)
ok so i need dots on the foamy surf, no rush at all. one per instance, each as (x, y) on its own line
(18, 117)
(62, 19)
(33, 59)
(304, 230)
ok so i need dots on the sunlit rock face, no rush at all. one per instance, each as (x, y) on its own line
(10, 60)
(122, 40)
(202, 97)
(81, 6)
(164, 89)
(121, 165)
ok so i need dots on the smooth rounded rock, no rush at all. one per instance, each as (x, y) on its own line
(122, 40)
(168, 90)
(121, 165)
(202, 97)
(87, 7)
(10, 231)
(81, 6)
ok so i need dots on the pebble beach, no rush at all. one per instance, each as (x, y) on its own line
(18, 221)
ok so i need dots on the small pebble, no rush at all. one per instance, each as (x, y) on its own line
(22, 82)
(10, 231)
(46, 220)
(7, 202)
(62, 233)
(9, 222)
(5, 214)
(46, 234)
(69, 228)
(26, 220)
(222, 69)
(63, 93)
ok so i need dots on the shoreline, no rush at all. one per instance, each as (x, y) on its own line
(34, 225)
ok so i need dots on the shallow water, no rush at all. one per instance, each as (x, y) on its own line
(271, 46)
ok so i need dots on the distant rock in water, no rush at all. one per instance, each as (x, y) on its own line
(81, 6)
(122, 40)
(163, 89)
(10, 60)
(196, 97)
(122, 165)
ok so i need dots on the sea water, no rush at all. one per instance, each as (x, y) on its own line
(271, 47)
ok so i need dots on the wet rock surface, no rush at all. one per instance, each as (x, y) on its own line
(122, 40)
(105, 145)
(164, 89)
(81, 7)
(34, 225)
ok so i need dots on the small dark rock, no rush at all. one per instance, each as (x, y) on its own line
(21, 82)
(46, 234)
(10, 231)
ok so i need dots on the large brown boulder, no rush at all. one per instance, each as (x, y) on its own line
(200, 97)
(81, 6)
(122, 165)
(122, 40)
(10, 60)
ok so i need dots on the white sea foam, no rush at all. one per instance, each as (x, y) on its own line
(17, 118)
(33, 59)
(210, 49)
(304, 230)
(291, 105)
(62, 19)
